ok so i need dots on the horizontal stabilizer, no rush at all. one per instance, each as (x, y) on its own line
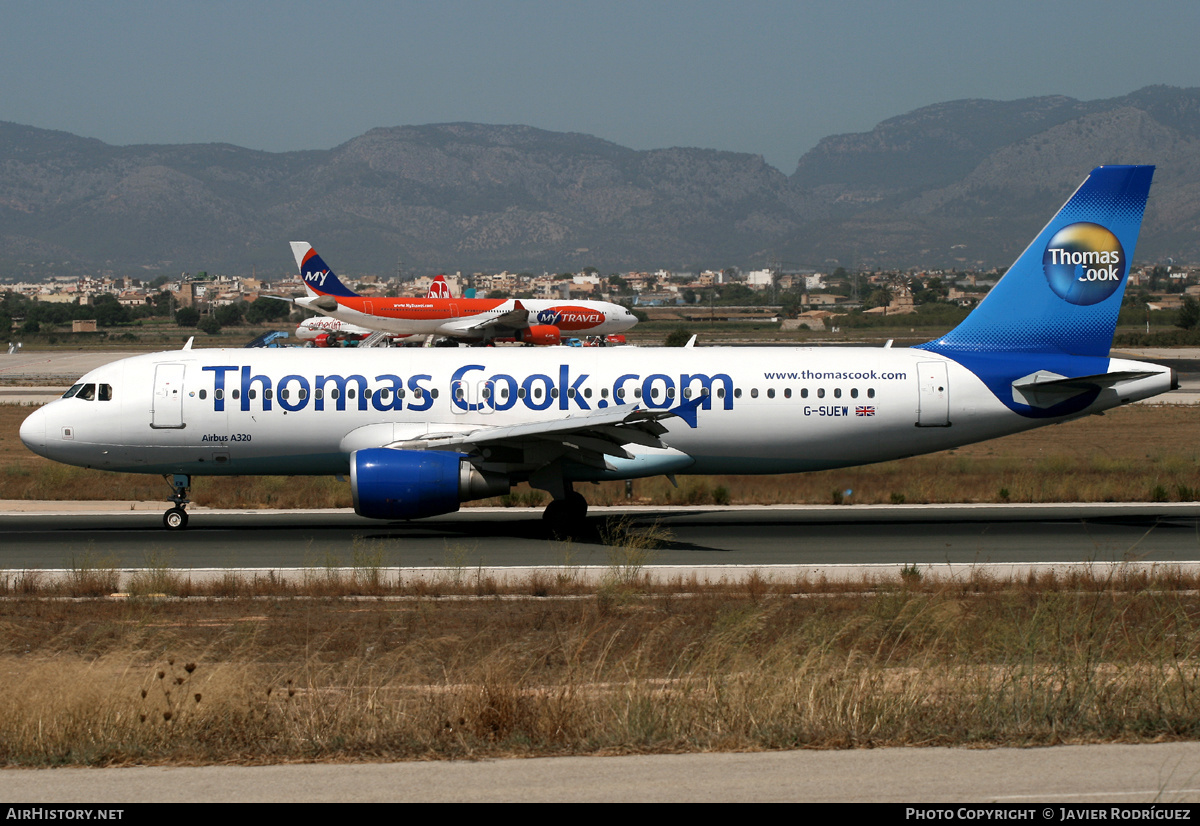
(1046, 389)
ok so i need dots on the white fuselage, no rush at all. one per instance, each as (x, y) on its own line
(767, 410)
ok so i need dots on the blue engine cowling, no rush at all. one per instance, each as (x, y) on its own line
(409, 484)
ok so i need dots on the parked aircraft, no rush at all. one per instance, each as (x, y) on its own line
(324, 331)
(420, 431)
(533, 321)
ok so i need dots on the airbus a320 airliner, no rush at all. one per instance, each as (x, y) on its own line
(419, 431)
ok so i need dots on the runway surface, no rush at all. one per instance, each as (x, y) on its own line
(745, 536)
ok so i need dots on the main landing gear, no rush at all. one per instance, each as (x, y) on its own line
(176, 518)
(565, 516)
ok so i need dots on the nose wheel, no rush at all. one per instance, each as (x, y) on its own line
(176, 518)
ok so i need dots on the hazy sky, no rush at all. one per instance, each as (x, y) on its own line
(770, 78)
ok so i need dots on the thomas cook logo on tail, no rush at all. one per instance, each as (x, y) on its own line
(1084, 263)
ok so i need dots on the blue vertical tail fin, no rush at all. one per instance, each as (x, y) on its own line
(318, 278)
(1064, 291)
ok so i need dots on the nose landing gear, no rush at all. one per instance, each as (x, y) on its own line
(176, 518)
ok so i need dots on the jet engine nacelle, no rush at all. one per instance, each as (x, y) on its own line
(541, 334)
(409, 484)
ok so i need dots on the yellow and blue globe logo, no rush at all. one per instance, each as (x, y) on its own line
(1084, 263)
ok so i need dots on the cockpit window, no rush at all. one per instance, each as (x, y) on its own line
(106, 392)
(74, 389)
(87, 392)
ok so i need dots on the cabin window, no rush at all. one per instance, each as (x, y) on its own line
(754, 392)
(804, 392)
(283, 393)
(203, 395)
(504, 394)
(570, 392)
(637, 392)
(237, 394)
(587, 392)
(521, 393)
(604, 392)
(820, 392)
(654, 393)
(418, 393)
(218, 394)
(554, 392)
(770, 392)
(268, 394)
(384, 393)
(837, 392)
(621, 394)
(250, 394)
(537, 393)
(333, 393)
(737, 392)
(870, 392)
(787, 392)
(433, 393)
(319, 393)
(687, 392)
(720, 392)
(670, 392)
(487, 392)
(350, 393)
(854, 392)
(458, 393)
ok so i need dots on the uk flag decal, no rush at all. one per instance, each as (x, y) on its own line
(865, 411)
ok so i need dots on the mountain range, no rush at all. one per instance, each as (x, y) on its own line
(965, 183)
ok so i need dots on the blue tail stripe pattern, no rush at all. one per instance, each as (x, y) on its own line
(1063, 293)
(320, 278)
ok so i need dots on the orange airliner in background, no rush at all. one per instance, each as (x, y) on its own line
(533, 321)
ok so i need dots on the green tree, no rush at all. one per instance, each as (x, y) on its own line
(678, 337)
(110, 312)
(209, 324)
(187, 316)
(1189, 313)
(229, 315)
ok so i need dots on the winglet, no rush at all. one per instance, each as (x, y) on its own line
(687, 410)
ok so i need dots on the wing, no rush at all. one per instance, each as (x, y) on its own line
(515, 319)
(593, 438)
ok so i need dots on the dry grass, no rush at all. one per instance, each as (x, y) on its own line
(1136, 453)
(906, 661)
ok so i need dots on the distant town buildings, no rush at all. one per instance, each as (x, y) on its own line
(704, 294)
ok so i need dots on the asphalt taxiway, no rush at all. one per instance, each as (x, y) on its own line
(809, 538)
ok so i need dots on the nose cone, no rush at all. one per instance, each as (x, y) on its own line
(33, 431)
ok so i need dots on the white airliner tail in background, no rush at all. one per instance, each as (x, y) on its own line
(420, 431)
